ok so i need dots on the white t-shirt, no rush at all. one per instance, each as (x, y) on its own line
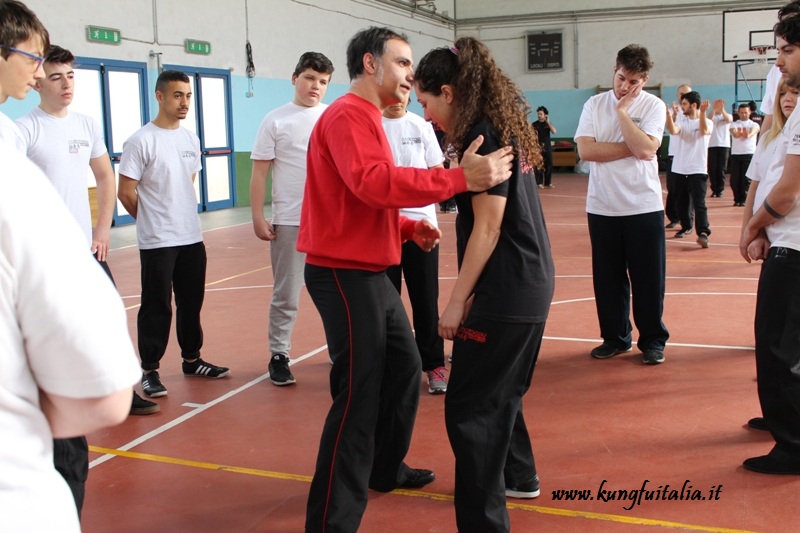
(10, 134)
(283, 139)
(62, 329)
(163, 161)
(692, 154)
(744, 146)
(720, 135)
(414, 145)
(628, 186)
(786, 231)
(771, 90)
(62, 148)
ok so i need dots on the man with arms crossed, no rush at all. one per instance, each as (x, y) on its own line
(619, 133)
(156, 176)
(351, 231)
(281, 145)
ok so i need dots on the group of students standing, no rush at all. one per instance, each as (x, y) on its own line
(705, 143)
(340, 226)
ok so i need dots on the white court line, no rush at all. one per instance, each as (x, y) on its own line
(702, 278)
(200, 409)
(204, 231)
(682, 344)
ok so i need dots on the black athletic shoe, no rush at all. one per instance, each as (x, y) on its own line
(653, 356)
(152, 386)
(604, 351)
(758, 423)
(201, 369)
(683, 233)
(140, 406)
(279, 372)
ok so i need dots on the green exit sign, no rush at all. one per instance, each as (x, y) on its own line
(197, 47)
(97, 34)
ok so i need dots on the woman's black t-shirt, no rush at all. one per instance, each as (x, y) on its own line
(517, 283)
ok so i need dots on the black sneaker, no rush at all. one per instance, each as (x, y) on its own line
(671, 225)
(140, 406)
(758, 423)
(279, 372)
(702, 240)
(653, 356)
(604, 351)
(525, 491)
(152, 386)
(683, 233)
(200, 369)
(417, 478)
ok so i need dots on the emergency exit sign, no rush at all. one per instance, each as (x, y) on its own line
(197, 47)
(97, 34)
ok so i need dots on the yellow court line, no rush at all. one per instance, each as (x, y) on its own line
(418, 494)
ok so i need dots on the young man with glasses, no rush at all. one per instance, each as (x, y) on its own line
(23, 42)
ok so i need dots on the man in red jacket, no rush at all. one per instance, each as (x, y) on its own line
(351, 231)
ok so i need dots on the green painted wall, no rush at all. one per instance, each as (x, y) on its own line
(244, 166)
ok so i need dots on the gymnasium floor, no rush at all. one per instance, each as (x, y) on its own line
(236, 455)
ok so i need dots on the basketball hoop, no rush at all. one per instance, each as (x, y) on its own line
(761, 54)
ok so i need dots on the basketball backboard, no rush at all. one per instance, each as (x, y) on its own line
(744, 30)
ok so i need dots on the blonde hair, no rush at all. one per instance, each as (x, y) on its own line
(778, 118)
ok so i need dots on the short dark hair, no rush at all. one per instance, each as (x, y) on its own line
(788, 29)
(369, 41)
(743, 104)
(168, 76)
(543, 109)
(59, 56)
(17, 24)
(789, 10)
(315, 61)
(693, 97)
(634, 59)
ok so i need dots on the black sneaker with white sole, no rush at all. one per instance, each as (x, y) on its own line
(279, 372)
(201, 369)
(525, 491)
(152, 386)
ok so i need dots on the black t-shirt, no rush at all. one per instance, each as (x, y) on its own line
(517, 283)
(543, 133)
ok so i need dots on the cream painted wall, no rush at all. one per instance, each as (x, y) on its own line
(686, 48)
(279, 30)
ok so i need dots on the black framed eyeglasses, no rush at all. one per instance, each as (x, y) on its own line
(37, 59)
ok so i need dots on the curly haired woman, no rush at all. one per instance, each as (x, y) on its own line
(497, 310)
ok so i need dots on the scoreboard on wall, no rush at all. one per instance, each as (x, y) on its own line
(544, 51)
